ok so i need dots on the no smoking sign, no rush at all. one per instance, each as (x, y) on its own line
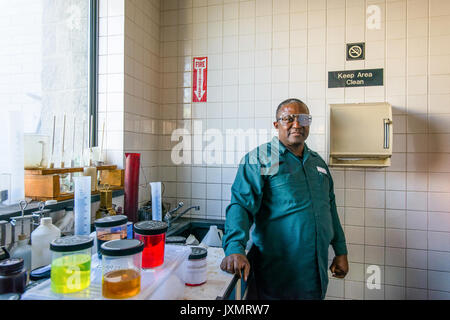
(355, 51)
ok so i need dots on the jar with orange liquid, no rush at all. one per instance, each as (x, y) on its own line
(110, 228)
(121, 268)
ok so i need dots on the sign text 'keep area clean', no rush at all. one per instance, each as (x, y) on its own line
(355, 78)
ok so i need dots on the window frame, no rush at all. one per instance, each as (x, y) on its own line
(93, 73)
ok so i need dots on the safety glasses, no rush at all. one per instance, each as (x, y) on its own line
(303, 119)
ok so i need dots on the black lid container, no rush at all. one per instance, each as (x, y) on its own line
(13, 276)
(122, 248)
(71, 243)
(111, 221)
(150, 228)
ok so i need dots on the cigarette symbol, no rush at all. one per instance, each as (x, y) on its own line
(355, 51)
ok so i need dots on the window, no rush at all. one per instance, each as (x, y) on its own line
(48, 71)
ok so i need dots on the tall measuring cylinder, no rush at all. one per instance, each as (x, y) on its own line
(82, 205)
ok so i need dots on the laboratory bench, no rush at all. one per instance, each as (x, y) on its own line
(220, 285)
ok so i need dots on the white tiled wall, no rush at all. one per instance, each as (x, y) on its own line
(262, 52)
(129, 82)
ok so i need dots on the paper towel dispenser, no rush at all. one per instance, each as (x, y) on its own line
(361, 134)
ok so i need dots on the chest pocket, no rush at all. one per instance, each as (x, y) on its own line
(288, 188)
(324, 182)
(321, 186)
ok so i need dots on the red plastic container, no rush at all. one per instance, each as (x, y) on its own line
(153, 234)
(131, 185)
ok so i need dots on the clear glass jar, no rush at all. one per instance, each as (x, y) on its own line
(110, 228)
(121, 268)
(71, 263)
(195, 268)
(153, 234)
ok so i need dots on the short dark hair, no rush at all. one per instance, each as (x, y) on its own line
(289, 101)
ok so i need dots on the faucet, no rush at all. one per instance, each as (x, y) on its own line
(169, 218)
(169, 215)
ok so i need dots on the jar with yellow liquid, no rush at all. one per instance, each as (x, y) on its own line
(71, 263)
(121, 268)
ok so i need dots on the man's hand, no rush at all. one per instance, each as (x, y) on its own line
(339, 266)
(234, 263)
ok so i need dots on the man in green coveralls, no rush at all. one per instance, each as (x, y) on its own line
(291, 201)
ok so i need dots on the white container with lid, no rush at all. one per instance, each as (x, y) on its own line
(195, 268)
(40, 243)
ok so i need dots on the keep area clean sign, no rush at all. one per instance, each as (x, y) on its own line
(355, 78)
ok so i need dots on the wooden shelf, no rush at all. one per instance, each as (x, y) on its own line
(47, 171)
(43, 184)
(68, 196)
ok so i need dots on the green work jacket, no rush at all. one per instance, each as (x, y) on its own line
(292, 204)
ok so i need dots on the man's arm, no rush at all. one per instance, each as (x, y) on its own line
(339, 266)
(246, 196)
(338, 241)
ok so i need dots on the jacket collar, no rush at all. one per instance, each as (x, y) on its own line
(276, 143)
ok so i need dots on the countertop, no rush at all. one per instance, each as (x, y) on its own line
(173, 287)
(217, 280)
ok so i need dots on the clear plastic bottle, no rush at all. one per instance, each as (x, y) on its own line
(23, 250)
(40, 243)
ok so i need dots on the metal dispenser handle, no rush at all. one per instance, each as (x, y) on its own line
(387, 123)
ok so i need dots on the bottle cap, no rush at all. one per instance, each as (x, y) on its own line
(150, 227)
(120, 248)
(71, 243)
(176, 239)
(41, 273)
(111, 221)
(12, 265)
(22, 237)
(46, 221)
(198, 253)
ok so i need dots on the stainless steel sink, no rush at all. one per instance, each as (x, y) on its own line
(197, 227)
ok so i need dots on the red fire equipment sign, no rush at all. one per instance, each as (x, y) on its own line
(199, 78)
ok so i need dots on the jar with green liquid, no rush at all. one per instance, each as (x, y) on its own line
(71, 263)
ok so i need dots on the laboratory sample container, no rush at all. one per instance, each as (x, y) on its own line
(71, 263)
(121, 268)
(153, 234)
(110, 228)
(13, 276)
(195, 268)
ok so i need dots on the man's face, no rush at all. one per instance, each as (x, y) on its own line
(292, 133)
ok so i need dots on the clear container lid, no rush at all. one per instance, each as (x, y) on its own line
(111, 221)
(71, 243)
(122, 247)
(150, 228)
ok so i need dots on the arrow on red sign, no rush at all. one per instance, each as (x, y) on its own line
(200, 74)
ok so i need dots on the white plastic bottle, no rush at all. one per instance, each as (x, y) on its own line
(214, 237)
(40, 243)
(23, 250)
